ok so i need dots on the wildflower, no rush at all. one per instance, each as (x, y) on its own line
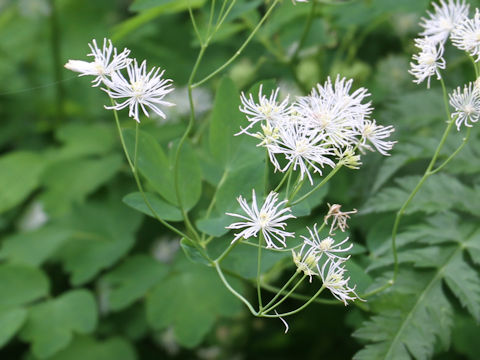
(105, 63)
(374, 134)
(302, 148)
(466, 35)
(267, 109)
(270, 220)
(339, 217)
(348, 158)
(308, 262)
(444, 20)
(141, 89)
(333, 279)
(429, 60)
(325, 246)
(466, 104)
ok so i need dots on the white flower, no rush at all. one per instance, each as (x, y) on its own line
(339, 217)
(429, 60)
(302, 148)
(141, 89)
(308, 262)
(105, 63)
(332, 275)
(267, 109)
(374, 134)
(325, 246)
(466, 104)
(270, 220)
(466, 35)
(444, 20)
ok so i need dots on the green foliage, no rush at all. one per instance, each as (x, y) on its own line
(189, 300)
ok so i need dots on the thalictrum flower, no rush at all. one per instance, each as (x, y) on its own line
(141, 89)
(429, 60)
(106, 61)
(444, 19)
(466, 104)
(270, 220)
(339, 218)
(375, 134)
(332, 275)
(325, 246)
(466, 35)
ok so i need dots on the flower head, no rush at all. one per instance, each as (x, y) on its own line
(444, 19)
(466, 104)
(269, 220)
(105, 62)
(466, 35)
(375, 134)
(429, 61)
(141, 89)
(332, 275)
(325, 246)
(339, 218)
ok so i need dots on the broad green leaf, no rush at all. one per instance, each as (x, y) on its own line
(21, 284)
(10, 322)
(85, 347)
(50, 325)
(164, 210)
(70, 181)
(102, 234)
(190, 299)
(85, 139)
(158, 168)
(215, 226)
(192, 252)
(131, 280)
(19, 176)
(34, 247)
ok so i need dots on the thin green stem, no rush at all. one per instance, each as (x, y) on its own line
(323, 182)
(135, 154)
(475, 67)
(282, 290)
(259, 269)
(226, 252)
(425, 176)
(300, 296)
(442, 165)
(312, 299)
(287, 191)
(239, 51)
(287, 175)
(210, 18)
(285, 297)
(195, 27)
(306, 31)
(221, 18)
(232, 290)
(137, 178)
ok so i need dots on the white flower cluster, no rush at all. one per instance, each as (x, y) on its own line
(270, 221)
(450, 20)
(329, 124)
(142, 88)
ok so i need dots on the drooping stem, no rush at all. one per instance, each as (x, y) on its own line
(282, 290)
(300, 296)
(285, 297)
(259, 269)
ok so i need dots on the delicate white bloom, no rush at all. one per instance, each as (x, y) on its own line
(325, 246)
(332, 275)
(340, 218)
(466, 104)
(269, 219)
(302, 148)
(106, 62)
(348, 158)
(374, 134)
(429, 61)
(444, 19)
(141, 89)
(466, 35)
(267, 109)
(308, 262)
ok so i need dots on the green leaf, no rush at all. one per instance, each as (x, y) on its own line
(192, 252)
(158, 169)
(131, 280)
(102, 235)
(19, 176)
(216, 226)
(51, 324)
(21, 284)
(10, 322)
(34, 247)
(85, 347)
(71, 181)
(164, 210)
(190, 299)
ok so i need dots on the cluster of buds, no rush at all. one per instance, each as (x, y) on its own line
(141, 88)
